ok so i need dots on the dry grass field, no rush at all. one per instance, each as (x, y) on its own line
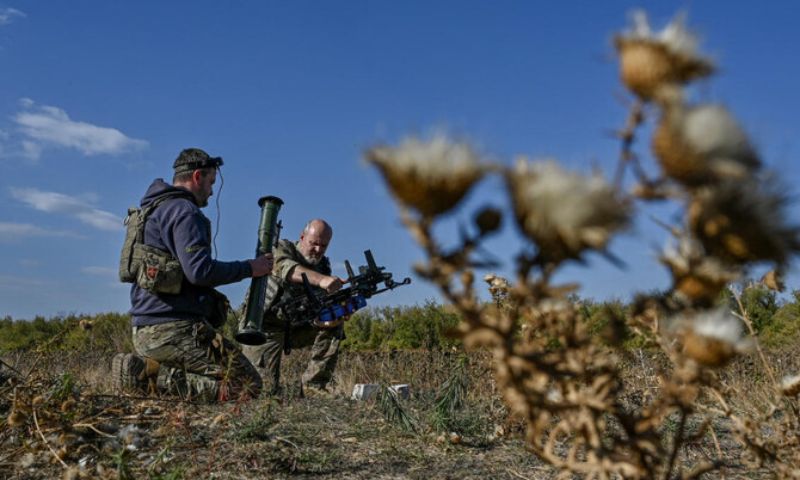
(75, 427)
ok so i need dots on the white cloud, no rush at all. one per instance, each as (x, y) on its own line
(31, 151)
(7, 15)
(18, 231)
(78, 207)
(45, 126)
(100, 271)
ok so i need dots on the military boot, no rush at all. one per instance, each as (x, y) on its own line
(129, 374)
(172, 381)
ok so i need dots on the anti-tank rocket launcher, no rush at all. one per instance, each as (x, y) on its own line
(269, 231)
(326, 310)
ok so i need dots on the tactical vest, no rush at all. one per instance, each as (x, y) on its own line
(151, 268)
(279, 289)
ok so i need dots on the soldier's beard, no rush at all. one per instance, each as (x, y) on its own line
(311, 260)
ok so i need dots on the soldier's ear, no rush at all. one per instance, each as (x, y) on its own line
(197, 175)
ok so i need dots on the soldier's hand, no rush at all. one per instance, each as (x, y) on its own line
(262, 265)
(331, 284)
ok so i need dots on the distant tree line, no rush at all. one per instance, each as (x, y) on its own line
(100, 332)
(426, 326)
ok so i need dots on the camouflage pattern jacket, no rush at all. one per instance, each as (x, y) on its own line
(287, 256)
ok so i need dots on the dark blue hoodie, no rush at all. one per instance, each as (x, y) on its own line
(178, 226)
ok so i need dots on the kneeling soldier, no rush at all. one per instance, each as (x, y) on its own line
(174, 307)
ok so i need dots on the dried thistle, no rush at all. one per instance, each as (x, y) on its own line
(774, 281)
(698, 279)
(68, 405)
(743, 222)
(488, 220)
(562, 212)
(713, 338)
(790, 385)
(16, 418)
(655, 62)
(498, 287)
(564, 380)
(429, 176)
(703, 144)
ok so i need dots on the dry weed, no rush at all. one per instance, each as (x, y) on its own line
(583, 414)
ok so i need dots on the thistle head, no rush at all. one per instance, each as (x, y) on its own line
(497, 284)
(703, 144)
(713, 338)
(652, 63)
(564, 213)
(430, 176)
(774, 280)
(698, 279)
(741, 222)
(16, 418)
(790, 385)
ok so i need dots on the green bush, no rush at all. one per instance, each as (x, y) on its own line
(101, 332)
(109, 332)
(601, 316)
(25, 334)
(423, 326)
(403, 327)
(761, 304)
(784, 326)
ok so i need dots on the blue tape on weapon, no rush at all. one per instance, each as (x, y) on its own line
(334, 312)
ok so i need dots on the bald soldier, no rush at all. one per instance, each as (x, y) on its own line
(292, 260)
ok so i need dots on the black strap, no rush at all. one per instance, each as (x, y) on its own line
(287, 336)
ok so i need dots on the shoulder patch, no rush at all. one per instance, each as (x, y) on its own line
(195, 248)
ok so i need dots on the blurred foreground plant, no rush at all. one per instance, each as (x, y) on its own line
(565, 381)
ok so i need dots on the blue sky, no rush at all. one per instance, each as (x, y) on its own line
(97, 98)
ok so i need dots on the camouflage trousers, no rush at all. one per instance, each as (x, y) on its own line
(324, 354)
(197, 361)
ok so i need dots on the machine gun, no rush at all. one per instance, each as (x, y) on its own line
(328, 310)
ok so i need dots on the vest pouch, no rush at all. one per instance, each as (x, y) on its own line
(157, 271)
(219, 308)
(127, 267)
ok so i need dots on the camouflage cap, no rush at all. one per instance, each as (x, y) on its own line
(193, 158)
